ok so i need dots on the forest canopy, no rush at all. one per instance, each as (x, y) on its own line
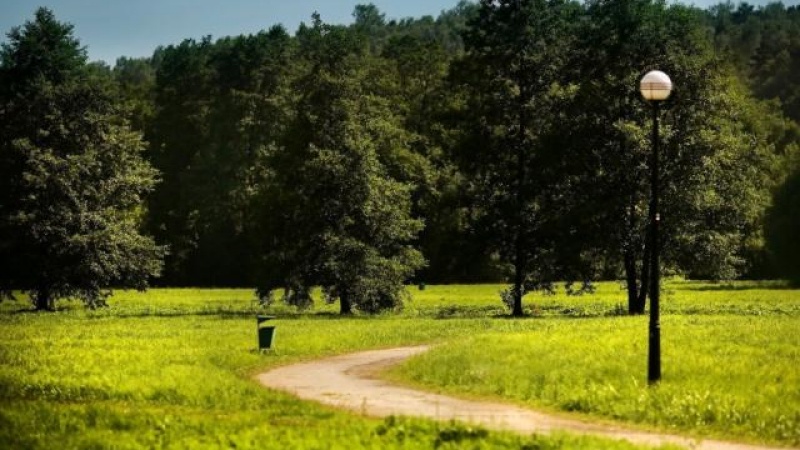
(502, 140)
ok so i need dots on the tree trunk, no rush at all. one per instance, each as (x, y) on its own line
(632, 282)
(646, 271)
(518, 281)
(517, 311)
(635, 298)
(43, 300)
(519, 244)
(345, 307)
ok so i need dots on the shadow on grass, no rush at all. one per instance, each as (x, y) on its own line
(532, 312)
(449, 312)
(443, 313)
(30, 310)
(769, 286)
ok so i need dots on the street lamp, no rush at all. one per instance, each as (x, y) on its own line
(655, 88)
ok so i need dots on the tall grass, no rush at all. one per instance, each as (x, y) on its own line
(171, 368)
(726, 376)
(161, 370)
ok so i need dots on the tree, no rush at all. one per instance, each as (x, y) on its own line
(421, 95)
(220, 107)
(764, 45)
(607, 121)
(178, 129)
(370, 23)
(136, 80)
(714, 173)
(73, 174)
(782, 223)
(333, 213)
(511, 77)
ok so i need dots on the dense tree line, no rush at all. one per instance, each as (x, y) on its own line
(763, 46)
(502, 140)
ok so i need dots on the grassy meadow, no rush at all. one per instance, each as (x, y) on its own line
(172, 368)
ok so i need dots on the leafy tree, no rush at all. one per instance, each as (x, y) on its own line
(334, 214)
(782, 223)
(220, 107)
(136, 79)
(370, 23)
(445, 30)
(511, 76)
(712, 179)
(413, 57)
(764, 45)
(614, 150)
(73, 176)
(217, 110)
(177, 131)
(414, 70)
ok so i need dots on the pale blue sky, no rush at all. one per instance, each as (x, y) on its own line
(113, 28)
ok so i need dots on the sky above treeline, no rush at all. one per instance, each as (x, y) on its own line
(134, 28)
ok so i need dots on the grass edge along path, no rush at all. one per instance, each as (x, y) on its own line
(349, 382)
(727, 377)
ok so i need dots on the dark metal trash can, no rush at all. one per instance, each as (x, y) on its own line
(266, 333)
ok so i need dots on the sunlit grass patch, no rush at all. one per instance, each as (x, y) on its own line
(172, 367)
(722, 375)
(77, 380)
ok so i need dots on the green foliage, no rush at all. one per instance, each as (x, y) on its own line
(347, 225)
(73, 174)
(763, 43)
(510, 79)
(136, 79)
(513, 129)
(43, 48)
(782, 223)
(735, 170)
(231, 111)
(716, 160)
(220, 108)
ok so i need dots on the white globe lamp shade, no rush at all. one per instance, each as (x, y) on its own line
(655, 86)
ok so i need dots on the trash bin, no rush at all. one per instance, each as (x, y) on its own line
(266, 333)
(421, 285)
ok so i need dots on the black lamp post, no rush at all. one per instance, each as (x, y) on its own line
(655, 88)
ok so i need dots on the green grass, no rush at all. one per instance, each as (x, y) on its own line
(173, 368)
(725, 376)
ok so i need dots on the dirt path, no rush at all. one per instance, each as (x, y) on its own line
(349, 382)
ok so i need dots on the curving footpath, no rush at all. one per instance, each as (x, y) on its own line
(349, 382)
